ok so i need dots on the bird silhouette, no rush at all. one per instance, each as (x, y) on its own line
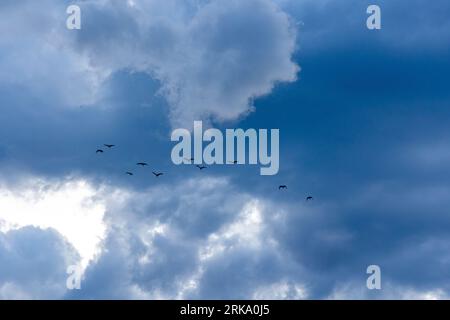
(309, 198)
(157, 174)
(143, 164)
(109, 145)
(99, 151)
(282, 187)
(201, 167)
(129, 173)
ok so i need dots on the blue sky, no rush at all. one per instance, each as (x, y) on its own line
(363, 118)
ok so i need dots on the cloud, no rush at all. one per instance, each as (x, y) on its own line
(283, 290)
(70, 207)
(172, 241)
(33, 263)
(237, 52)
(38, 59)
(211, 57)
(223, 233)
(164, 243)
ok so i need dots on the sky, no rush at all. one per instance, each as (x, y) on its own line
(363, 118)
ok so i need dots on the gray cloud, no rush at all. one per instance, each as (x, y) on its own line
(295, 249)
(182, 245)
(33, 264)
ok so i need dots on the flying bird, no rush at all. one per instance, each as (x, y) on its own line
(129, 173)
(201, 167)
(142, 164)
(309, 198)
(109, 145)
(99, 151)
(282, 187)
(157, 174)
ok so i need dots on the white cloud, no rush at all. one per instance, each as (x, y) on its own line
(245, 231)
(231, 53)
(69, 207)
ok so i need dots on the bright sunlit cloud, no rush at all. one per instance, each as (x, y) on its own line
(70, 208)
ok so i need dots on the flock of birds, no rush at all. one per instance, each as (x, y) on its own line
(142, 164)
(158, 174)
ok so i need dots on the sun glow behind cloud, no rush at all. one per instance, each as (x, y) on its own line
(70, 208)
